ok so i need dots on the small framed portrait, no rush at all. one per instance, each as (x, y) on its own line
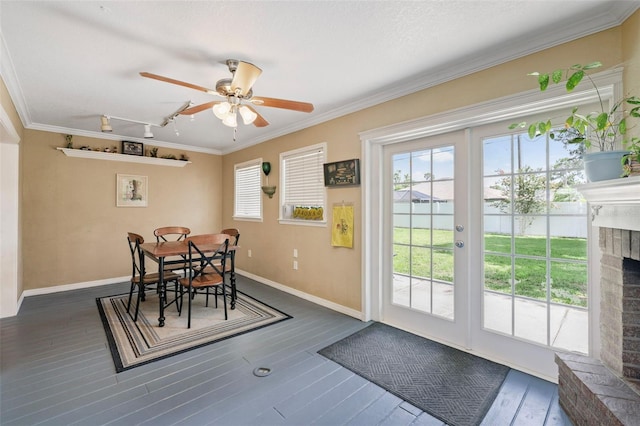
(342, 173)
(131, 191)
(132, 148)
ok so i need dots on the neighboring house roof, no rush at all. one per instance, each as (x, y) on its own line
(437, 191)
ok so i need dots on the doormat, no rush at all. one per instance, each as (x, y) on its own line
(136, 343)
(454, 386)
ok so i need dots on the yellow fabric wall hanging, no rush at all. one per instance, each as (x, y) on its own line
(342, 230)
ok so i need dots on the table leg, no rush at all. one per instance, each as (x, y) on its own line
(161, 291)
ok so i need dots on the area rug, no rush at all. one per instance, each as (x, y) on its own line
(456, 387)
(136, 343)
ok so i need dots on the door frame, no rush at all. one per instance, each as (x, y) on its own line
(510, 107)
(10, 266)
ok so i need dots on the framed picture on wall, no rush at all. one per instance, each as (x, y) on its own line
(131, 191)
(342, 173)
(132, 148)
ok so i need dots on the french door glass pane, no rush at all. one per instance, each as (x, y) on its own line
(535, 241)
(423, 235)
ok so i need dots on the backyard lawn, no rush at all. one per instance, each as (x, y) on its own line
(520, 263)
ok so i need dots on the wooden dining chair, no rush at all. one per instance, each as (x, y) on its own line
(234, 233)
(205, 269)
(140, 278)
(173, 233)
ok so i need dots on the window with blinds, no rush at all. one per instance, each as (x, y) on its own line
(248, 202)
(302, 192)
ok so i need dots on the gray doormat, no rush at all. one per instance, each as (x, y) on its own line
(454, 386)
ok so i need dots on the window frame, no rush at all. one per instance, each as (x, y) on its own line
(282, 219)
(255, 163)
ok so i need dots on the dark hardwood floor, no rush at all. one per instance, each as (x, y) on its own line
(56, 369)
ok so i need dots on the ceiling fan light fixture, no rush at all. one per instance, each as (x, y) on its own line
(147, 131)
(248, 116)
(221, 110)
(230, 120)
(105, 126)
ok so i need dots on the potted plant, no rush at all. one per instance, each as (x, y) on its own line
(604, 129)
(631, 161)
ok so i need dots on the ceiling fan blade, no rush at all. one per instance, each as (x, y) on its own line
(198, 108)
(282, 103)
(260, 120)
(178, 82)
(246, 74)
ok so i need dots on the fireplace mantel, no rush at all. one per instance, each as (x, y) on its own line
(614, 203)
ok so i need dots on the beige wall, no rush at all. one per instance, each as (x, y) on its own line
(71, 222)
(73, 231)
(333, 273)
(631, 55)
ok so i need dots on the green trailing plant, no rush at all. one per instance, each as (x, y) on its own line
(633, 145)
(600, 128)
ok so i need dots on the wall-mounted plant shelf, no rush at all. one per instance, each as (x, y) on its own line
(98, 155)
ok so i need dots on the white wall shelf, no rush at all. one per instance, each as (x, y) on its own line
(614, 203)
(111, 156)
(615, 191)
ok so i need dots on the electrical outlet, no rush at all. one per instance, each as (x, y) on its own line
(295, 252)
(295, 265)
(249, 252)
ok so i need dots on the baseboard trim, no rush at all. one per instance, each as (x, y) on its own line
(306, 296)
(76, 286)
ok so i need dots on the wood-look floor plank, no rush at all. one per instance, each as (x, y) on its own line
(263, 397)
(533, 409)
(425, 419)
(209, 406)
(505, 407)
(398, 417)
(351, 406)
(56, 369)
(377, 411)
(556, 415)
(315, 390)
(315, 407)
(32, 411)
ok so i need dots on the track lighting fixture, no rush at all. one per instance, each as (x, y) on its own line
(105, 122)
(147, 131)
(105, 126)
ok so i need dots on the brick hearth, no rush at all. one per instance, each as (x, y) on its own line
(608, 392)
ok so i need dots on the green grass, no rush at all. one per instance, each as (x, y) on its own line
(568, 279)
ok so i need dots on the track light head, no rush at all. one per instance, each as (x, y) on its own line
(147, 131)
(105, 126)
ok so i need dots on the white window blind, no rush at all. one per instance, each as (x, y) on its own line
(302, 178)
(248, 202)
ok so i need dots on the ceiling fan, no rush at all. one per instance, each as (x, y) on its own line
(238, 95)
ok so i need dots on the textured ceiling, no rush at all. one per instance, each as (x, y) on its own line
(67, 63)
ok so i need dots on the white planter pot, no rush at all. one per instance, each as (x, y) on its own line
(603, 165)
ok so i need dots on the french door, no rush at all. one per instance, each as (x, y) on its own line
(485, 245)
(426, 221)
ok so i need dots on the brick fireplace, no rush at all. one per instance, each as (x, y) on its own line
(606, 391)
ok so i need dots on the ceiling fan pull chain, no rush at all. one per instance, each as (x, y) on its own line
(235, 132)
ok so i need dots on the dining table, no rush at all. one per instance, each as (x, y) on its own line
(160, 251)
